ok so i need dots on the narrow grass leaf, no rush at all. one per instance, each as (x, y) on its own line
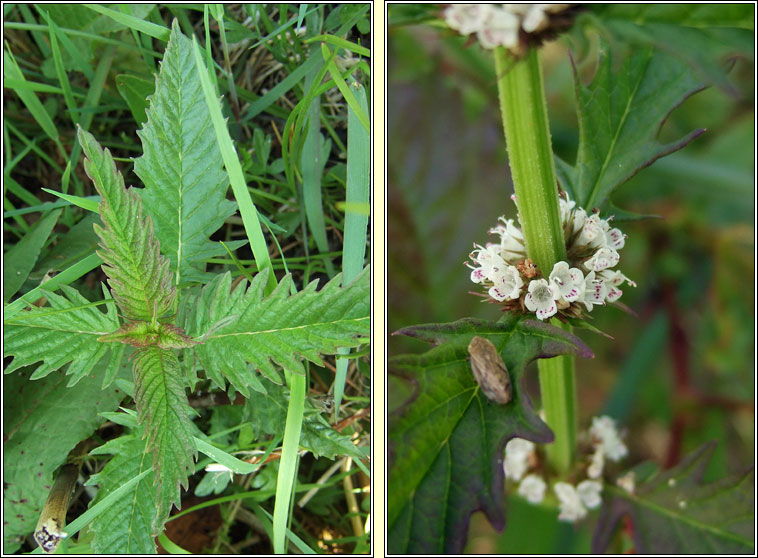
(344, 89)
(156, 31)
(354, 245)
(288, 466)
(65, 277)
(231, 161)
(20, 258)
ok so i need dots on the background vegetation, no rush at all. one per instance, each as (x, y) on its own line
(72, 64)
(682, 371)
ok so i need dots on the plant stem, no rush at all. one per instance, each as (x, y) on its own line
(527, 135)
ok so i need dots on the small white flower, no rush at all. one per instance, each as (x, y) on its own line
(593, 233)
(615, 239)
(597, 463)
(511, 240)
(570, 282)
(507, 284)
(517, 455)
(500, 29)
(466, 18)
(595, 291)
(602, 259)
(589, 491)
(532, 488)
(541, 298)
(567, 207)
(604, 431)
(490, 261)
(570, 503)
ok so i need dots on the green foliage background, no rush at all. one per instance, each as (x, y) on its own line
(679, 374)
(94, 67)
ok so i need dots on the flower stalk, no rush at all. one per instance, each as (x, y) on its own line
(527, 135)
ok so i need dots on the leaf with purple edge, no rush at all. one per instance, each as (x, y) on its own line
(447, 441)
(672, 512)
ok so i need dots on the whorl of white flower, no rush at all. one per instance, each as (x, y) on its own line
(517, 455)
(541, 298)
(507, 284)
(605, 435)
(589, 491)
(570, 282)
(597, 463)
(571, 507)
(532, 488)
(506, 273)
(499, 24)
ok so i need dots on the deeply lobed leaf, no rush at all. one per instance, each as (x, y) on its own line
(674, 513)
(62, 333)
(138, 275)
(620, 114)
(182, 168)
(241, 326)
(164, 410)
(447, 442)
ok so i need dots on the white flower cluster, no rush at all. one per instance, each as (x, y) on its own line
(573, 501)
(585, 279)
(499, 24)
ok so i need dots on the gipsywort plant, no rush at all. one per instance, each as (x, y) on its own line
(457, 444)
(167, 319)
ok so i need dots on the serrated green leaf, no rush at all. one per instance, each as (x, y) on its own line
(182, 168)
(674, 513)
(703, 36)
(20, 258)
(620, 114)
(447, 442)
(279, 329)
(62, 333)
(127, 526)
(36, 441)
(164, 410)
(269, 414)
(138, 274)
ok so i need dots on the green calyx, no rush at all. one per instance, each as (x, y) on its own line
(146, 334)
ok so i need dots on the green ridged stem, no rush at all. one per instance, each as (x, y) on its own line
(527, 136)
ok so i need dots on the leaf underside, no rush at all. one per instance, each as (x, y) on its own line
(65, 332)
(674, 513)
(279, 329)
(181, 167)
(620, 114)
(447, 442)
(138, 274)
